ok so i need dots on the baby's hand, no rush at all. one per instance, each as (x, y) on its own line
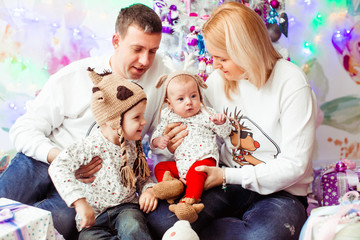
(85, 212)
(218, 118)
(147, 201)
(161, 142)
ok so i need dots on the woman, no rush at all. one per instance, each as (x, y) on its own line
(268, 163)
(276, 111)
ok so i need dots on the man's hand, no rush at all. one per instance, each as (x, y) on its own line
(214, 176)
(53, 153)
(86, 173)
(147, 201)
(176, 132)
(86, 213)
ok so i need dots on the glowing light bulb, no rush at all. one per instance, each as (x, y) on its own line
(307, 50)
(12, 106)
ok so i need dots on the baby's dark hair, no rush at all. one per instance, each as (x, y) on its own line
(139, 15)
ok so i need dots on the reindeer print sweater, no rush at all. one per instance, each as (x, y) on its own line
(200, 143)
(277, 134)
(107, 190)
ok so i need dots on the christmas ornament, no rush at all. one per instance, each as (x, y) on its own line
(209, 66)
(166, 27)
(274, 31)
(202, 64)
(272, 16)
(201, 44)
(283, 23)
(192, 38)
(173, 15)
(274, 4)
(340, 39)
(265, 11)
(203, 75)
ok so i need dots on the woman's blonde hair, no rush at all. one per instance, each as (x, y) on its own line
(241, 33)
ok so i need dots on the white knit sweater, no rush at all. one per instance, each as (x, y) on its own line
(61, 114)
(280, 122)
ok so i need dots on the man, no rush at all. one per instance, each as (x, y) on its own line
(61, 114)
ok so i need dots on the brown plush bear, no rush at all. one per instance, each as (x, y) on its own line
(170, 188)
(187, 209)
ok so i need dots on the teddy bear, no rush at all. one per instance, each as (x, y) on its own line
(170, 188)
(187, 209)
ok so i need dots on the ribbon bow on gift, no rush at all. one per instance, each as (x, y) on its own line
(347, 178)
(350, 180)
(7, 216)
(345, 164)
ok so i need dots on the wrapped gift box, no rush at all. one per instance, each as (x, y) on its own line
(20, 221)
(335, 182)
(334, 222)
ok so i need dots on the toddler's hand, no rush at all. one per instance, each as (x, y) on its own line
(147, 201)
(85, 212)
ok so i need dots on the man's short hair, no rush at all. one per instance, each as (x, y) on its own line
(139, 15)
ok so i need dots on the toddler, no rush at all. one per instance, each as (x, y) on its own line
(110, 205)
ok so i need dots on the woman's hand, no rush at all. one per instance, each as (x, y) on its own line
(176, 132)
(214, 176)
(85, 173)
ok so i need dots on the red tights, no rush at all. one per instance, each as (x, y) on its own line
(194, 180)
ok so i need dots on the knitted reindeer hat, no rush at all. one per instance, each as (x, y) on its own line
(112, 97)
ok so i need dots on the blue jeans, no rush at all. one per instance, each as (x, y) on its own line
(124, 222)
(26, 180)
(239, 214)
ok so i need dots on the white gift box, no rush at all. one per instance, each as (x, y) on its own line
(20, 221)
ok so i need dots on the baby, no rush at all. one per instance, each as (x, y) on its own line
(185, 104)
